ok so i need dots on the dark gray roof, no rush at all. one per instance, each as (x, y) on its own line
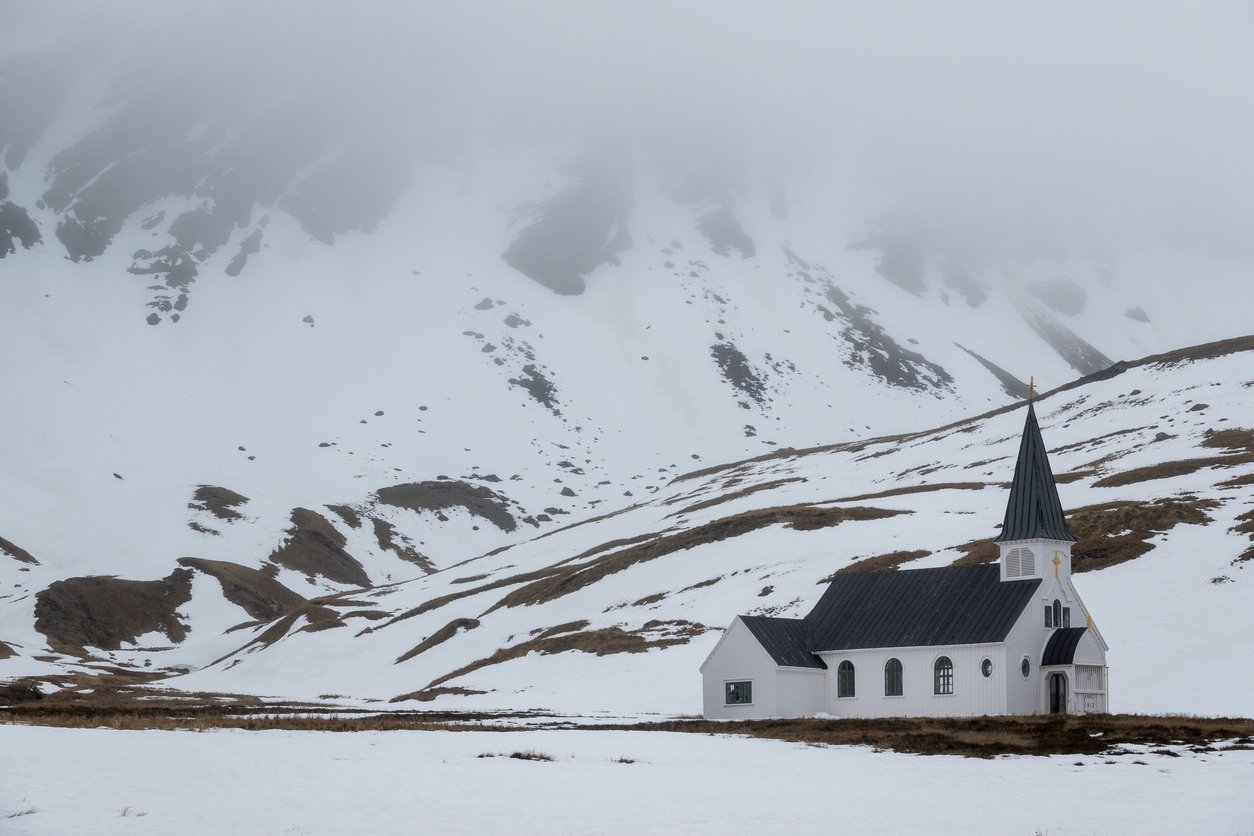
(917, 607)
(1060, 649)
(784, 639)
(1033, 509)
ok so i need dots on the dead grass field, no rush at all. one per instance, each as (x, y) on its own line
(125, 707)
(984, 737)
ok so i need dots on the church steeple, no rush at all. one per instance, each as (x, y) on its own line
(1034, 511)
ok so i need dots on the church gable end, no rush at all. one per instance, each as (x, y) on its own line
(784, 639)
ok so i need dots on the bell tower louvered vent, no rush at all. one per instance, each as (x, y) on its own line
(1020, 563)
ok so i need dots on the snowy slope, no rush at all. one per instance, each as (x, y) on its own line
(614, 614)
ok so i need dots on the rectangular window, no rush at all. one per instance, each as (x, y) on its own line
(1066, 616)
(1049, 622)
(739, 693)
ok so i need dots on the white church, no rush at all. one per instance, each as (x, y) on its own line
(1010, 638)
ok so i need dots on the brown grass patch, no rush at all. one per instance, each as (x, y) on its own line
(104, 612)
(604, 641)
(255, 591)
(457, 625)
(468, 579)
(1171, 470)
(389, 540)
(1238, 482)
(909, 489)
(1116, 532)
(611, 545)
(439, 496)
(17, 552)
(982, 737)
(18, 691)
(557, 579)
(1110, 533)
(221, 502)
(1076, 445)
(429, 694)
(313, 547)
(563, 580)
(976, 552)
(347, 513)
(568, 627)
(880, 563)
(734, 495)
(1233, 439)
(318, 616)
(116, 702)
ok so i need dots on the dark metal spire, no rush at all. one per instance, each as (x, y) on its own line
(1034, 510)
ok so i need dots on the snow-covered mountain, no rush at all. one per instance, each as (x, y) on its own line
(257, 351)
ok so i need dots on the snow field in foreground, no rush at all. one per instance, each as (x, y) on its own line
(278, 782)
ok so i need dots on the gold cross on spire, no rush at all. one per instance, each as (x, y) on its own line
(1031, 389)
(1056, 561)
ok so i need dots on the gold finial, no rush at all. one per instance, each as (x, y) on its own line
(1056, 562)
(1088, 622)
(1031, 389)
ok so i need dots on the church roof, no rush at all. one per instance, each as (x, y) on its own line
(1033, 509)
(917, 607)
(784, 639)
(1060, 649)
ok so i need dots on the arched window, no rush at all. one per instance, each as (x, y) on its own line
(943, 676)
(844, 679)
(892, 678)
(1057, 613)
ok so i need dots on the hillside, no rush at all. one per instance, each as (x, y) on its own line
(614, 613)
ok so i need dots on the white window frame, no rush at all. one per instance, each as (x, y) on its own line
(936, 672)
(727, 682)
(853, 672)
(902, 667)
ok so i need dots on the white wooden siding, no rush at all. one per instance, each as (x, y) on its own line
(1028, 638)
(973, 695)
(777, 691)
(799, 691)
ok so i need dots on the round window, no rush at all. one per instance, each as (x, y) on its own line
(986, 668)
(1026, 667)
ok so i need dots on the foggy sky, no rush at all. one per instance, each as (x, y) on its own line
(1129, 121)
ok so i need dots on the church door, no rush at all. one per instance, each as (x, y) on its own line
(1057, 694)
